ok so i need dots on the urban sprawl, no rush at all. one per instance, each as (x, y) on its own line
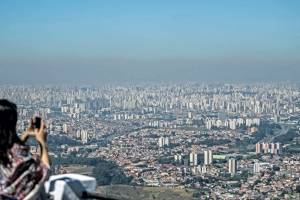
(228, 141)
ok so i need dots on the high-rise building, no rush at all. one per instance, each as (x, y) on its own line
(277, 146)
(208, 157)
(163, 141)
(232, 166)
(167, 141)
(265, 147)
(65, 128)
(190, 115)
(258, 148)
(84, 136)
(78, 134)
(208, 124)
(273, 148)
(256, 168)
(193, 159)
(178, 158)
(232, 124)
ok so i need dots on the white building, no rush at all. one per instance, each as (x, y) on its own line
(232, 166)
(163, 141)
(208, 157)
(193, 159)
(256, 168)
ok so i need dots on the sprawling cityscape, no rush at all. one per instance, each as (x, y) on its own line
(150, 100)
(221, 141)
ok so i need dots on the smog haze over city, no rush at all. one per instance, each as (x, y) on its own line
(134, 41)
(159, 99)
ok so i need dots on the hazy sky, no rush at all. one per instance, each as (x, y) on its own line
(90, 41)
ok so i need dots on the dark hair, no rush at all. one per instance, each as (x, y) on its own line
(8, 133)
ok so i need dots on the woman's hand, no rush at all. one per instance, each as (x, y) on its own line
(40, 134)
(41, 138)
(29, 132)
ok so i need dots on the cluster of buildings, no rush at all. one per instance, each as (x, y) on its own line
(163, 142)
(195, 162)
(176, 135)
(265, 148)
(231, 123)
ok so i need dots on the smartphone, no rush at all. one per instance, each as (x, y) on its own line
(37, 122)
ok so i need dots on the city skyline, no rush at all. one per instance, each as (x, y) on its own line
(94, 42)
(215, 141)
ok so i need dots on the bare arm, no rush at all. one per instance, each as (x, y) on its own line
(41, 138)
(44, 153)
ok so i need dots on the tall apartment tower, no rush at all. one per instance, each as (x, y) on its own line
(265, 147)
(258, 148)
(193, 159)
(277, 147)
(84, 136)
(208, 157)
(272, 148)
(161, 142)
(232, 166)
(256, 168)
(167, 141)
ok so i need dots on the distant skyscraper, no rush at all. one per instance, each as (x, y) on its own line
(232, 165)
(178, 158)
(65, 128)
(167, 141)
(258, 148)
(190, 115)
(161, 142)
(208, 124)
(78, 134)
(232, 124)
(273, 148)
(278, 149)
(208, 157)
(84, 136)
(193, 159)
(256, 168)
(265, 147)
